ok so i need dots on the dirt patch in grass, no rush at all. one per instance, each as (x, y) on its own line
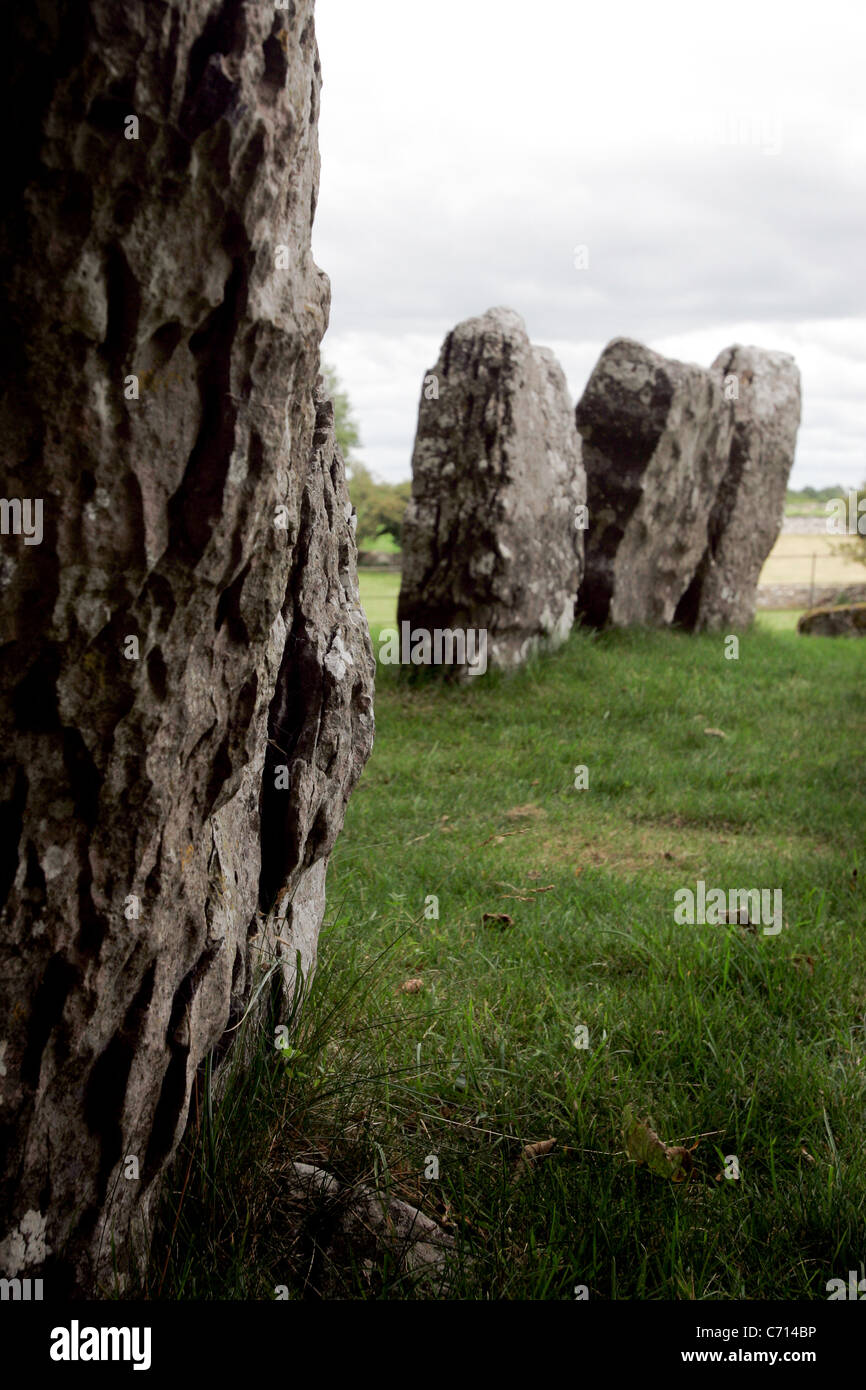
(660, 846)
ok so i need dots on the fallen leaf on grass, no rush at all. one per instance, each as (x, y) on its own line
(412, 986)
(538, 1149)
(644, 1146)
(530, 1153)
(807, 962)
(498, 919)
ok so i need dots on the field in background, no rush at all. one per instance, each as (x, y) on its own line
(790, 561)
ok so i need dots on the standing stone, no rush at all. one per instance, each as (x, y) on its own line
(493, 534)
(185, 673)
(655, 445)
(762, 391)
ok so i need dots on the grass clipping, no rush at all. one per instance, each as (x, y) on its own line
(644, 1146)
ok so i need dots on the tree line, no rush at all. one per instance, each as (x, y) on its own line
(380, 506)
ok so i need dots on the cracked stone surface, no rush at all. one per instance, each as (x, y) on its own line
(748, 512)
(355, 1224)
(187, 634)
(492, 537)
(656, 435)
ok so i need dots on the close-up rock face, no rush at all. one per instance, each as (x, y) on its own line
(656, 435)
(185, 673)
(493, 536)
(747, 514)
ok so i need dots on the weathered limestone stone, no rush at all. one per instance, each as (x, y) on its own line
(848, 620)
(353, 1224)
(492, 538)
(188, 623)
(763, 393)
(655, 446)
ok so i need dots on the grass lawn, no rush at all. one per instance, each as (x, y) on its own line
(556, 915)
(778, 619)
(379, 593)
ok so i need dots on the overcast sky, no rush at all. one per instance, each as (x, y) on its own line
(712, 160)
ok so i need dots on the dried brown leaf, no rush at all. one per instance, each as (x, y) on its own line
(644, 1146)
(497, 919)
(530, 1154)
(801, 962)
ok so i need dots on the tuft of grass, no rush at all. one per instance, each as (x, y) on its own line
(530, 910)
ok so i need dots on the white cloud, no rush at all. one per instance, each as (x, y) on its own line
(711, 160)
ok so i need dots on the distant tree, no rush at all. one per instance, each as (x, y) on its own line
(363, 491)
(393, 498)
(347, 431)
(809, 501)
(380, 506)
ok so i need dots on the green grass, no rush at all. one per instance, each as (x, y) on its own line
(379, 596)
(736, 1042)
(384, 543)
(778, 619)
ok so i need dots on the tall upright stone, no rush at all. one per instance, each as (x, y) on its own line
(493, 536)
(185, 673)
(762, 391)
(655, 436)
